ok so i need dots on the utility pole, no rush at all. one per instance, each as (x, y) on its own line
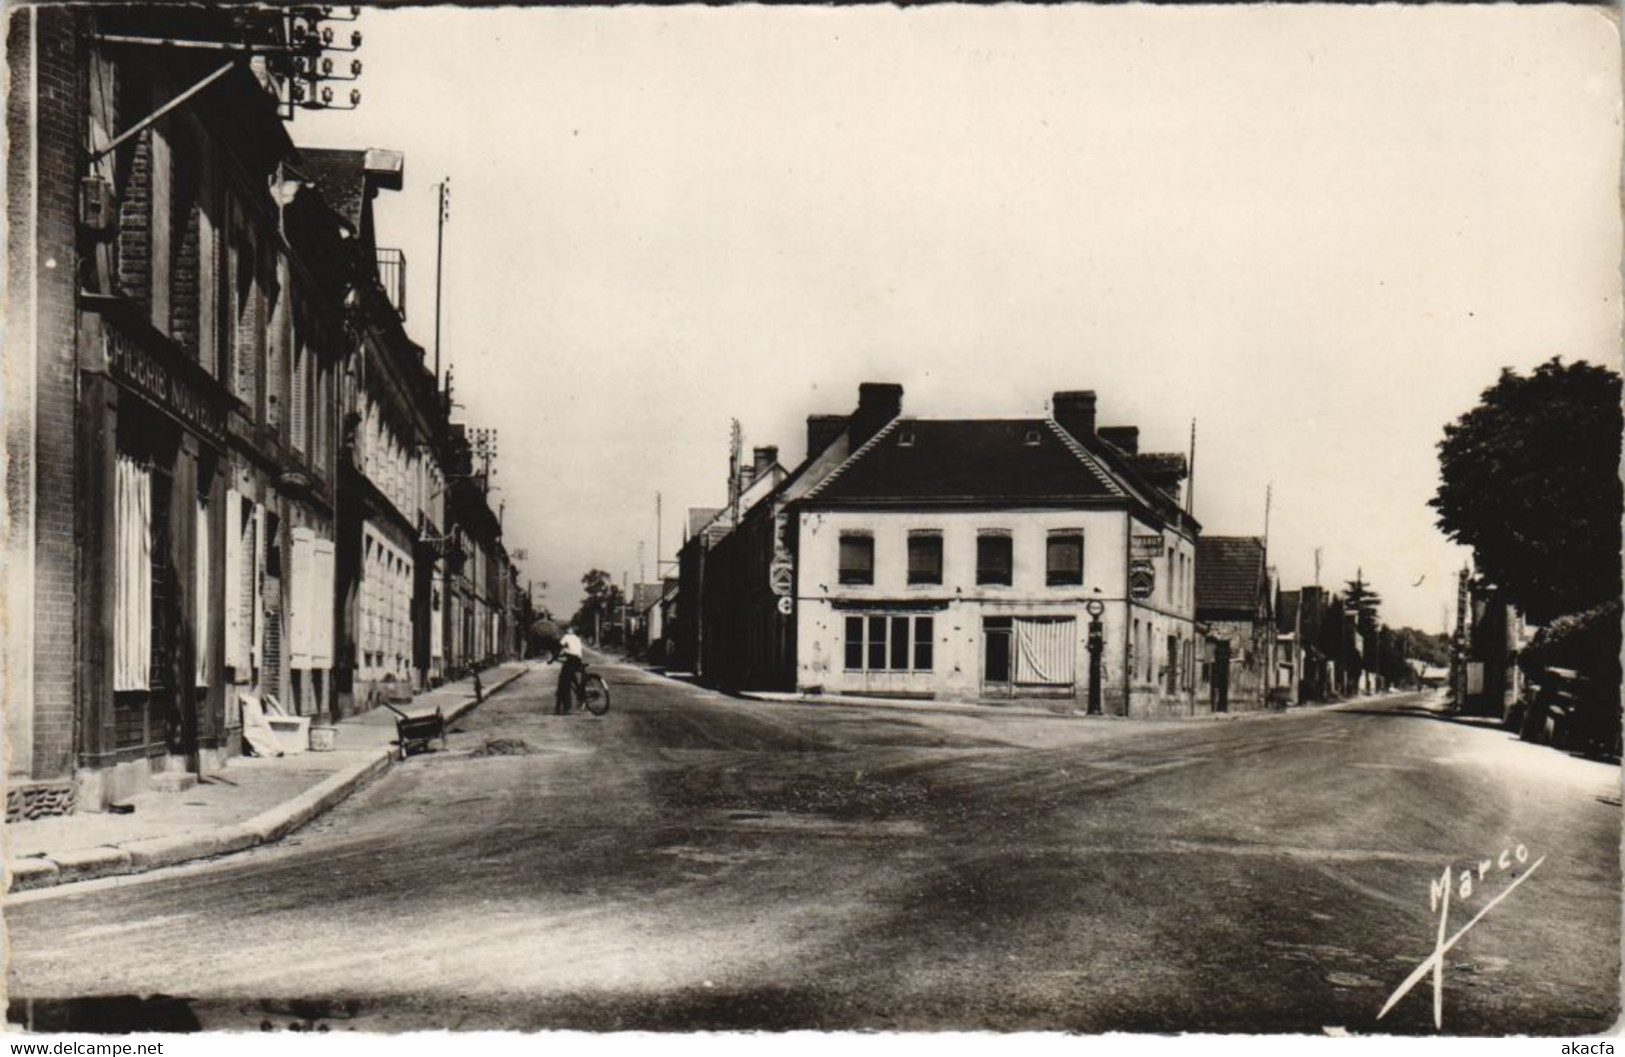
(1269, 494)
(1190, 473)
(1317, 566)
(658, 550)
(443, 214)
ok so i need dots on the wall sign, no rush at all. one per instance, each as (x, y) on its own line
(786, 604)
(1145, 546)
(1142, 579)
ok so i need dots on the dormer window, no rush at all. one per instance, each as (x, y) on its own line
(1031, 440)
(905, 439)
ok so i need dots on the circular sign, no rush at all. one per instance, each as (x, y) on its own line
(786, 604)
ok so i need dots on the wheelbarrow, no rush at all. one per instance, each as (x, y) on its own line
(415, 732)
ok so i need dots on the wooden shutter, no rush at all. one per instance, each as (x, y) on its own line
(298, 419)
(202, 611)
(322, 601)
(233, 521)
(301, 591)
(256, 592)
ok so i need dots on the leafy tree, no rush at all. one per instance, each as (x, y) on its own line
(1529, 479)
(601, 606)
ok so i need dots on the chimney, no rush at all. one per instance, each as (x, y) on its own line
(878, 404)
(762, 459)
(822, 431)
(1074, 411)
(1126, 438)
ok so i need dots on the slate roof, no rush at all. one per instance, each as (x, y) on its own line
(341, 177)
(1229, 574)
(646, 595)
(943, 460)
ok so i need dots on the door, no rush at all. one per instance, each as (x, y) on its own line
(1221, 677)
(996, 655)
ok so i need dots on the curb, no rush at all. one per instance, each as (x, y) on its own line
(269, 826)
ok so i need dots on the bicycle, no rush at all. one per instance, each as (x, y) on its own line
(591, 691)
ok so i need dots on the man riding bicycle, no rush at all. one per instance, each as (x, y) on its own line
(570, 649)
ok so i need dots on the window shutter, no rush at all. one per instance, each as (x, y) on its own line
(297, 418)
(233, 521)
(202, 611)
(132, 614)
(322, 599)
(302, 591)
(256, 592)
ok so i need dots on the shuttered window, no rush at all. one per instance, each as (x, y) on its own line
(994, 558)
(132, 615)
(924, 558)
(1064, 559)
(322, 600)
(857, 559)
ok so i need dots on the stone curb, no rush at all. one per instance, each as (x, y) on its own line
(269, 826)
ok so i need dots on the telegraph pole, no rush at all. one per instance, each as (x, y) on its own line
(442, 215)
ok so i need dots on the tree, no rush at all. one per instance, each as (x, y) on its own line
(602, 605)
(1363, 602)
(1529, 479)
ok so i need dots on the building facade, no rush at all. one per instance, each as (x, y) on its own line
(958, 560)
(193, 313)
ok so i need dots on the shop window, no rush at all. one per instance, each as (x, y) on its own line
(881, 642)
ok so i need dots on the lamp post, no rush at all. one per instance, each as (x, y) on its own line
(1097, 643)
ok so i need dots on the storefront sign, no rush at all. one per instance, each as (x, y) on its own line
(167, 385)
(1145, 546)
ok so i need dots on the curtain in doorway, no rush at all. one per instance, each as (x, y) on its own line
(132, 614)
(1045, 651)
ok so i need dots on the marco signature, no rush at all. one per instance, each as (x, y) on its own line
(1439, 901)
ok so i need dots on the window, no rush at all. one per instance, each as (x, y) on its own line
(1064, 558)
(924, 558)
(857, 559)
(889, 642)
(994, 560)
(133, 609)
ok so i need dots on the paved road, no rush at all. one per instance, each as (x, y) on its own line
(696, 861)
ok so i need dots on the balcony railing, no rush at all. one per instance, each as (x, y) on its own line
(392, 273)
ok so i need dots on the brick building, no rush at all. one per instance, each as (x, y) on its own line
(190, 302)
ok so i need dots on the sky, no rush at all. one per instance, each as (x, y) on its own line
(1319, 232)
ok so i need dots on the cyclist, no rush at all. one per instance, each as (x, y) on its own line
(570, 678)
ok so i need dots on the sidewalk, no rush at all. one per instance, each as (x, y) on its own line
(253, 801)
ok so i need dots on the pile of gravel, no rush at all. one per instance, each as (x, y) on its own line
(504, 747)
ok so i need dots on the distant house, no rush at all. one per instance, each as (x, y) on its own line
(1233, 599)
(1289, 646)
(954, 559)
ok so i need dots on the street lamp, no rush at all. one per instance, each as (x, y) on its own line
(1097, 643)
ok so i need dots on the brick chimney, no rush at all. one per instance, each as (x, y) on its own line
(1074, 411)
(878, 404)
(762, 459)
(822, 431)
(1126, 438)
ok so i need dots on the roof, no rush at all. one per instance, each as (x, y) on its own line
(701, 516)
(1229, 574)
(942, 460)
(341, 177)
(646, 595)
